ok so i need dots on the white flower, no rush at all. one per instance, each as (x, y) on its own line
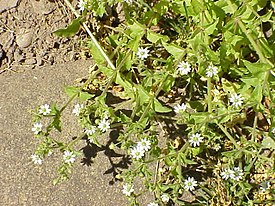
(44, 109)
(153, 204)
(77, 109)
(36, 159)
(104, 125)
(180, 108)
(227, 173)
(237, 174)
(184, 68)
(164, 198)
(128, 189)
(211, 71)
(195, 139)
(236, 100)
(264, 186)
(273, 131)
(128, 1)
(143, 53)
(37, 127)
(144, 144)
(69, 157)
(190, 183)
(81, 5)
(217, 147)
(137, 152)
(90, 131)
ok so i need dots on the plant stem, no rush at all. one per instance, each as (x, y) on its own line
(229, 136)
(109, 62)
(209, 98)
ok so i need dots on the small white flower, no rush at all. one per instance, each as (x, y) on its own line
(190, 183)
(45, 109)
(137, 152)
(104, 125)
(164, 198)
(180, 108)
(37, 127)
(153, 204)
(264, 186)
(77, 109)
(143, 53)
(144, 144)
(69, 157)
(273, 131)
(217, 147)
(36, 159)
(211, 71)
(90, 131)
(128, 189)
(195, 139)
(184, 68)
(81, 5)
(128, 1)
(227, 173)
(236, 100)
(237, 174)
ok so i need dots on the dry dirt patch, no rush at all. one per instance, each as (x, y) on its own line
(26, 37)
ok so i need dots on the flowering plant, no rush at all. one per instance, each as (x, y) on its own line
(194, 84)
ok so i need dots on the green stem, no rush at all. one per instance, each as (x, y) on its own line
(115, 73)
(152, 99)
(209, 98)
(229, 136)
(250, 38)
(109, 62)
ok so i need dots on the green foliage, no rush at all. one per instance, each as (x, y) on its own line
(71, 30)
(194, 82)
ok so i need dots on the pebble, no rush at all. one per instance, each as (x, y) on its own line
(30, 61)
(40, 61)
(1, 52)
(18, 56)
(25, 39)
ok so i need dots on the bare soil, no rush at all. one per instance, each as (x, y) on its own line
(26, 34)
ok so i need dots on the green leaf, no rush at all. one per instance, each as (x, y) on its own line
(256, 68)
(177, 51)
(198, 6)
(169, 83)
(107, 71)
(97, 56)
(71, 30)
(83, 96)
(137, 29)
(199, 117)
(154, 37)
(257, 94)
(71, 91)
(125, 84)
(158, 107)
(143, 95)
(56, 123)
(268, 142)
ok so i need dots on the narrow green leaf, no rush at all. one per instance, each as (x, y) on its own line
(71, 30)
(177, 51)
(256, 68)
(268, 142)
(158, 107)
(70, 90)
(155, 37)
